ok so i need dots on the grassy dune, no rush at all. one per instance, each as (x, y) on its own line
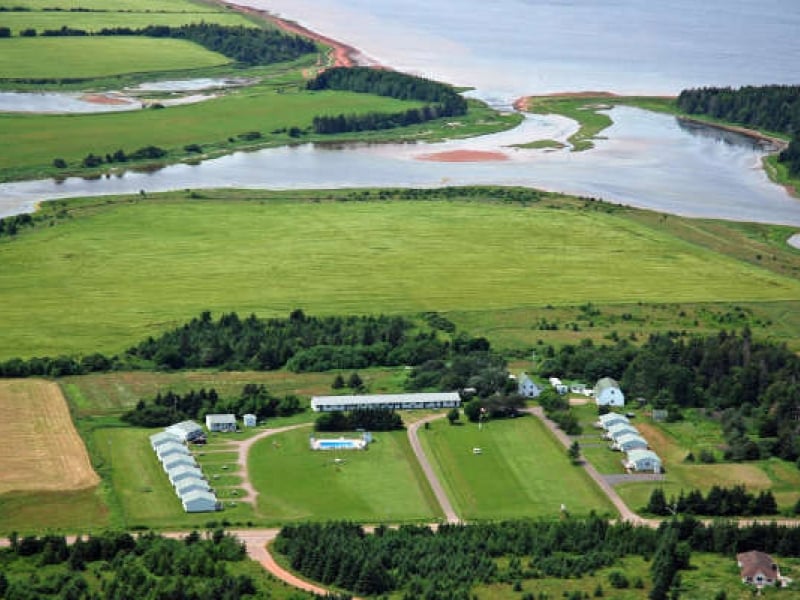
(87, 57)
(130, 270)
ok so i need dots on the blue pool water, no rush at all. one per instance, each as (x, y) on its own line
(337, 444)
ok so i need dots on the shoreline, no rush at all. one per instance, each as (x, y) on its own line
(343, 54)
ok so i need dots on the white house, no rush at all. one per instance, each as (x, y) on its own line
(163, 437)
(182, 472)
(643, 461)
(199, 501)
(178, 460)
(249, 420)
(187, 431)
(191, 484)
(390, 401)
(616, 431)
(628, 442)
(527, 387)
(758, 568)
(609, 419)
(607, 393)
(221, 422)
(165, 451)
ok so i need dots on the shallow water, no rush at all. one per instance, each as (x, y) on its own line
(648, 160)
(58, 102)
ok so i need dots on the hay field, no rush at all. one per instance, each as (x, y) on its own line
(42, 449)
(87, 57)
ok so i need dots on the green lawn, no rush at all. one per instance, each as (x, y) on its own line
(95, 21)
(88, 57)
(380, 484)
(340, 258)
(35, 512)
(522, 471)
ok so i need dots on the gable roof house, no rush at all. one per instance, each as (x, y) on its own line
(528, 387)
(221, 422)
(607, 393)
(643, 460)
(163, 437)
(628, 442)
(758, 568)
(182, 472)
(199, 501)
(171, 449)
(191, 484)
(178, 460)
(607, 420)
(187, 431)
(618, 430)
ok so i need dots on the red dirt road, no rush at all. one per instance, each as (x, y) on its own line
(441, 497)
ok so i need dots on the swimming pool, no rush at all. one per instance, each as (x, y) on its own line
(340, 444)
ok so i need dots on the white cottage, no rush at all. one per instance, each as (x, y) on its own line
(221, 422)
(610, 419)
(171, 449)
(249, 420)
(527, 387)
(191, 484)
(183, 472)
(187, 431)
(616, 431)
(199, 501)
(643, 461)
(607, 393)
(163, 437)
(178, 460)
(628, 442)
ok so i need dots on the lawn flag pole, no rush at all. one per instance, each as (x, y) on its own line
(481, 417)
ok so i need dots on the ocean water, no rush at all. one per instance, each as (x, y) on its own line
(507, 48)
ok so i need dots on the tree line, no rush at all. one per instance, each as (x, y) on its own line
(735, 501)
(118, 566)
(368, 419)
(754, 386)
(299, 342)
(415, 562)
(246, 45)
(771, 107)
(441, 99)
(169, 407)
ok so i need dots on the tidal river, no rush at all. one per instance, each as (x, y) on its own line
(509, 48)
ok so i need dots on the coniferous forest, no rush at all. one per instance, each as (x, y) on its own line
(418, 563)
(441, 99)
(771, 107)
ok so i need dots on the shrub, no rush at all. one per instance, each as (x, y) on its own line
(59, 163)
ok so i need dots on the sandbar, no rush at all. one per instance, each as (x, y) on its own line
(464, 156)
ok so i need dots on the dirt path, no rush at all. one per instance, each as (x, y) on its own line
(243, 450)
(441, 497)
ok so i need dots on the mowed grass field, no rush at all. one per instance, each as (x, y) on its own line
(154, 6)
(43, 449)
(132, 270)
(381, 484)
(522, 471)
(88, 57)
(95, 21)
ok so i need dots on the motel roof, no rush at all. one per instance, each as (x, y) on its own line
(379, 399)
(642, 454)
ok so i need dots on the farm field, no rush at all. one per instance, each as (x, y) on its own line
(307, 247)
(153, 6)
(48, 454)
(88, 21)
(380, 484)
(105, 394)
(88, 57)
(522, 471)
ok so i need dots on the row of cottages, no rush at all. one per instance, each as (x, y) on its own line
(607, 393)
(386, 401)
(182, 469)
(625, 438)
